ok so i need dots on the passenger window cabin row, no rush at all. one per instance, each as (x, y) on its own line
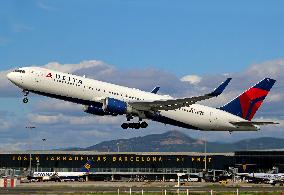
(97, 89)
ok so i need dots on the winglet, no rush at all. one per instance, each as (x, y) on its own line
(155, 90)
(221, 88)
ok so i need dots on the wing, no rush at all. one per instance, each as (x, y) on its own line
(252, 123)
(178, 103)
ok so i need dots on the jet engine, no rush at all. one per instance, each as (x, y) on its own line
(108, 106)
(96, 110)
(116, 106)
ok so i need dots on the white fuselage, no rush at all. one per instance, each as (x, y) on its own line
(264, 176)
(84, 90)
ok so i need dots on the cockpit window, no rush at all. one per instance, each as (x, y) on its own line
(20, 71)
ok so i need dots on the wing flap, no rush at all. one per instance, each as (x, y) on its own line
(173, 104)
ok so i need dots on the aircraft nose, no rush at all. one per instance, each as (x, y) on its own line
(10, 76)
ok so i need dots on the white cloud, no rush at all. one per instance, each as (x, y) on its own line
(56, 106)
(75, 67)
(192, 79)
(91, 119)
(95, 133)
(274, 97)
(13, 146)
(4, 125)
(45, 119)
(271, 68)
(3, 78)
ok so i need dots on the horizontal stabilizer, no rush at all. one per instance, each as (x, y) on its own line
(252, 123)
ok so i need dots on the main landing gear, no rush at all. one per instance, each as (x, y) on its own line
(25, 99)
(134, 125)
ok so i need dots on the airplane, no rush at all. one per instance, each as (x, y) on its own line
(84, 171)
(271, 177)
(102, 98)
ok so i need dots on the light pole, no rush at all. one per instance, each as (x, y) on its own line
(117, 146)
(205, 153)
(43, 140)
(37, 164)
(30, 128)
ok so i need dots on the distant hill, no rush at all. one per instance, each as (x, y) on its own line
(175, 141)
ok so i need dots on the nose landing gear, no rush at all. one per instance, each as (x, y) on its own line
(25, 99)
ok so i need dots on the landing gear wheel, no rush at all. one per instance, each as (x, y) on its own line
(144, 124)
(134, 125)
(124, 125)
(25, 100)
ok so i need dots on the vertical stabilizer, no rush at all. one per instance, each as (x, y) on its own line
(246, 104)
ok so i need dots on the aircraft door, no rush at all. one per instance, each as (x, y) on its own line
(213, 119)
(210, 117)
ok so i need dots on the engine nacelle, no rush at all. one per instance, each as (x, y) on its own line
(115, 106)
(95, 110)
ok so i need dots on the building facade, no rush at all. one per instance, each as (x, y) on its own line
(142, 161)
(171, 162)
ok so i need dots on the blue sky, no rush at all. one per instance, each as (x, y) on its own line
(139, 44)
(198, 37)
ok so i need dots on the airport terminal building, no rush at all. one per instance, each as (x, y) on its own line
(150, 162)
(116, 162)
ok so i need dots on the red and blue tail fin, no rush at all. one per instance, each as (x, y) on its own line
(86, 168)
(247, 104)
